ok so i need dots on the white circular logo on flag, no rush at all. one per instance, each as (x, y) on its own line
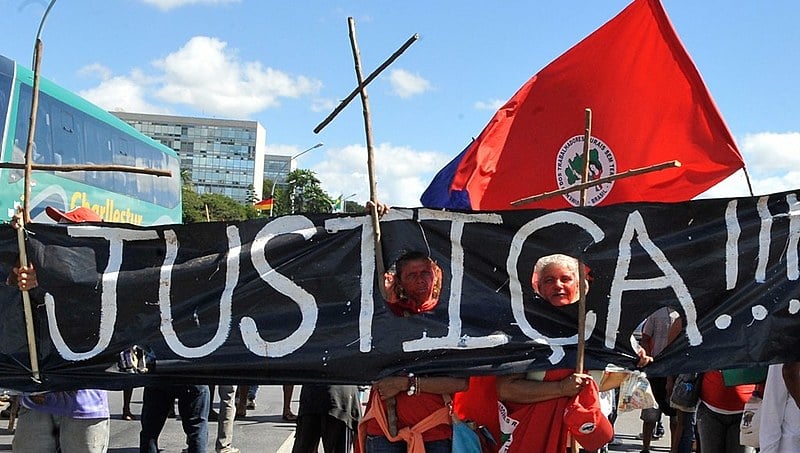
(569, 169)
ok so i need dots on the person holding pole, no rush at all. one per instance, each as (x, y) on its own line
(71, 421)
(422, 414)
(533, 404)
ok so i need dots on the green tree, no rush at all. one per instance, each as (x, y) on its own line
(304, 193)
(193, 210)
(211, 206)
(251, 197)
(352, 206)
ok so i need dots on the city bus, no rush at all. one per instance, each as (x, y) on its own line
(72, 131)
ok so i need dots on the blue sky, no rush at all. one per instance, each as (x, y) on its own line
(287, 64)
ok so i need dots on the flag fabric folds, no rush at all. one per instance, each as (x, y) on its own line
(338, 204)
(264, 205)
(649, 105)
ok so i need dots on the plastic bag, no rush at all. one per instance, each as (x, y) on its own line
(751, 420)
(465, 439)
(686, 392)
(635, 393)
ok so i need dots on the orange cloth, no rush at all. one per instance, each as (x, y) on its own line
(412, 435)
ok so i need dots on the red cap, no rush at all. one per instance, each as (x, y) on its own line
(586, 421)
(77, 215)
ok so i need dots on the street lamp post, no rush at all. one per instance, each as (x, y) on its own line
(275, 183)
(344, 201)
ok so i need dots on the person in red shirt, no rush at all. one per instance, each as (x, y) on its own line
(536, 400)
(416, 404)
(720, 413)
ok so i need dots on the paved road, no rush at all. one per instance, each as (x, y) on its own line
(264, 431)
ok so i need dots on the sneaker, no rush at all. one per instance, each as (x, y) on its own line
(251, 403)
(228, 450)
(659, 432)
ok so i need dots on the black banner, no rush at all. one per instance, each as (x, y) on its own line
(296, 299)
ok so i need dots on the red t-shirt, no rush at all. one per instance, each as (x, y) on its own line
(714, 393)
(541, 426)
(410, 411)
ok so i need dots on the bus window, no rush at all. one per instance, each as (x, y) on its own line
(65, 135)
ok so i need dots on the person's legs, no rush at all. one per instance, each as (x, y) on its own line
(251, 392)
(251, 397)
(288, 415)
(337, 437)
(35, 431)
(439, 446)
(241, 401)
(684, 433)
(732, 422)
(127, 395)
(83, 435)
(193, 405)
(380, 444)
(156, 403)
(308, 433)
(649, 418)
(227, 413)
(711, 430)
(212, 415)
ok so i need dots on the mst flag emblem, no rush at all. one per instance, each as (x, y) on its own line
(570, 163)
(648, 102)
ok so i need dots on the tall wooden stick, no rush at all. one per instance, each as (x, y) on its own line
(366, 82)
(37, 59)
(391, 403)
(587, 136)
(26, 304)
(373, 188)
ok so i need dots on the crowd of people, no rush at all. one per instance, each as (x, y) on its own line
(544, 411)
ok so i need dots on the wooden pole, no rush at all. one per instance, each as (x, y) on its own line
(605, 179)
(37, 59)
(87, 167)
(365, 82)
(380, 269)
(587, 136)
(26, 305)
(373, 188)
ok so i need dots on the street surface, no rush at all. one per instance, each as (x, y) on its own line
(263, 430)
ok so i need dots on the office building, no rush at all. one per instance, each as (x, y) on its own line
(222, 156)
(277, 168)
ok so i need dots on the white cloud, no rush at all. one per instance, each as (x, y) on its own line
(320, 105)
(119, 93)
(493, 104)
(406, 84)
(402, 174)
(166, 5)
(208, 77)
(768, 152)
(773, 163)
(205, 75)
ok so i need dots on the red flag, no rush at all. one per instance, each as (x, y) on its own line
(264, 205)
(649, 105)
